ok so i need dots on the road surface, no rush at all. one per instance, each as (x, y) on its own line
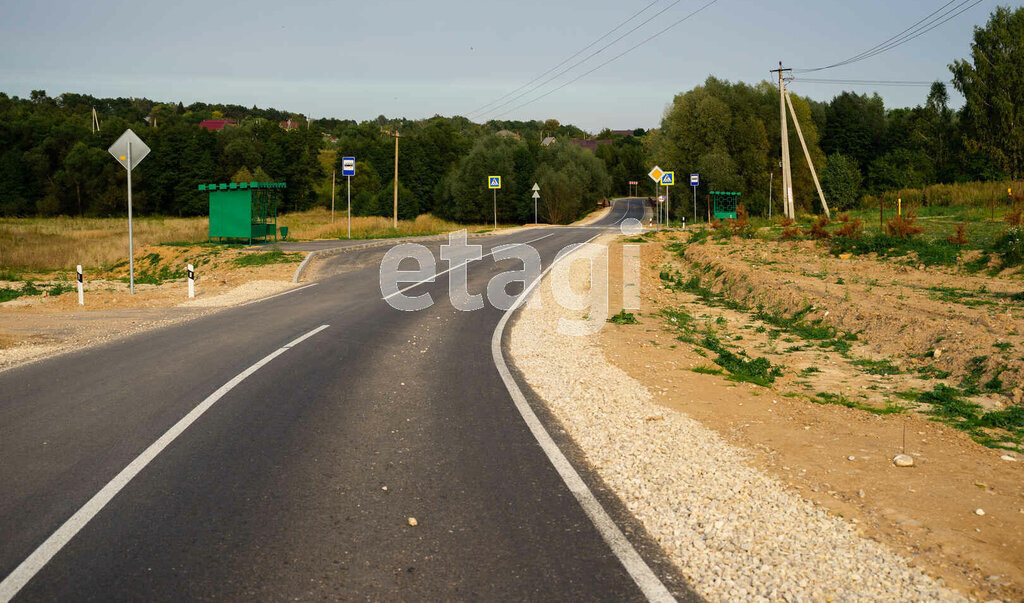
(224, 459)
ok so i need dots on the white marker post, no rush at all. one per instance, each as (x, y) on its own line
(191, 282)
(81, 290)
(129, 151)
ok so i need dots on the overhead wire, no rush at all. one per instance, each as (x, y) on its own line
(584, 60)
(578, 53)
(615, 58)
(938, 17)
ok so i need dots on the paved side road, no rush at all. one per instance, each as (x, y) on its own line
(299, 479)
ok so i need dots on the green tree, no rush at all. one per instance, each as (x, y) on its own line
(992, 83)
(841, 182)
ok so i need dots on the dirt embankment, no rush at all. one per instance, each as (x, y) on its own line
(43, 324)
(830, 420)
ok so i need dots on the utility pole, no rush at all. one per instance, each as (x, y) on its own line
(807, 155)
(787, 175)
(396, 135)
(95, 121)
(771, 185)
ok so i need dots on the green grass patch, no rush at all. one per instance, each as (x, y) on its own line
(707, 370)
(623, 318)
(275, 256)
(877, 367)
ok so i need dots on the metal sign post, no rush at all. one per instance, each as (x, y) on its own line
(129, 151)
(494, 183)
(667, 179)
(694, 183)
(536, 195)
(348, 169)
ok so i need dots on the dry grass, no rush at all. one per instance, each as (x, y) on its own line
(316, 224)
(981, 194)
(61, 243)
(42, 244)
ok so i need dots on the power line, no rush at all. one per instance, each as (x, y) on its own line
(614, 58)
(938, 17)
(578, 53)
(801, 80)
(584, 60)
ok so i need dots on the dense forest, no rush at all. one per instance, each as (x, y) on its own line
(52, 162)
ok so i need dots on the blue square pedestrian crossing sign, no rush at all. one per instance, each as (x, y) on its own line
(668, 179)
(494, 182)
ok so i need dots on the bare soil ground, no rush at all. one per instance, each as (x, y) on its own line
(831, 422)
(37, 326)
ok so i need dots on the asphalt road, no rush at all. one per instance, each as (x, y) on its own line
(298, 481)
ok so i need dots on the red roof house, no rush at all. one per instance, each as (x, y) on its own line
(216, 125)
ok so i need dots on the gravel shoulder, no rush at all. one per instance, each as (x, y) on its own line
(733, 530)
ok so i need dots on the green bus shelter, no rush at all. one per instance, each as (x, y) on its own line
(243, 210)
(723, 204)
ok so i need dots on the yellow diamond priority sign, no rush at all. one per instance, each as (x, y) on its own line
(656, 174)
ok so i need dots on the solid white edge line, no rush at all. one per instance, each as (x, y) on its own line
(650, 585)
(28, 568)
(431, 278)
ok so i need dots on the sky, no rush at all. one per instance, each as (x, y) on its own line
(358, 60)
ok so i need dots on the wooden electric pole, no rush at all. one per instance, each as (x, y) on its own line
(397, 136)
(807, 155)
(787, 174)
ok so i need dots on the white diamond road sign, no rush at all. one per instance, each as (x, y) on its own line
(494, 182)
(348, 166)
(656, 174)
(120, 149)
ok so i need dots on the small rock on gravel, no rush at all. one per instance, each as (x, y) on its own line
(903, 460)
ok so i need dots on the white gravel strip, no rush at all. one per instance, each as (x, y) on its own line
(734, 532)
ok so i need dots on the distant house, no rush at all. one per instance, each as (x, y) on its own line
(291, 124)
(590, 145)
(622, 132)
(547, 142)
(216, 125)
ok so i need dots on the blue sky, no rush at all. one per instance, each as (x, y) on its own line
(416, 59)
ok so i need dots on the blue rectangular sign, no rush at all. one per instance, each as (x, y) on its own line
(694, 179)
(348, 166)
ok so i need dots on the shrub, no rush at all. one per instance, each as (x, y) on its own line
(959, 236)
(818, 230)
(741, 225)
(1014, 217)
(717, 224)
(843, 217)
(904, 227)
(851, 229)
(1010, 246)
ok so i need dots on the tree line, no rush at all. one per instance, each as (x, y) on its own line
(51, 162)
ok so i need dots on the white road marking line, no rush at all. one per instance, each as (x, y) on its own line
(263, 299)
(52, 545)
(442, 273)
(649, 583)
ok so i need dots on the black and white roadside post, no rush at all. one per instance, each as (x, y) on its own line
(81, 290)
(129, 151)
(348, 169)
(536, 195)
(191, 282)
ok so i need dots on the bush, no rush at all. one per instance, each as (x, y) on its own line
(904, 227)
(851, 229)
(818, 230)
(1013, 218)
(790, 230)
(741, 225)
(1010, 246)
(959, 236)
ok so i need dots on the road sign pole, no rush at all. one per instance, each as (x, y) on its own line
(131, 244)
(694, 204)
(334, 175)
(495, 209)
(535, 210)
(349, 178)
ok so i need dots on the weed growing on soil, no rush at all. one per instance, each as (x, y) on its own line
(995, 429)
(971, 379)
(842, 400)
(706, 370)
(624, 318)
(827, 336)
(929, 253)
(930, 371)
(275, 256)
(877, 367)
